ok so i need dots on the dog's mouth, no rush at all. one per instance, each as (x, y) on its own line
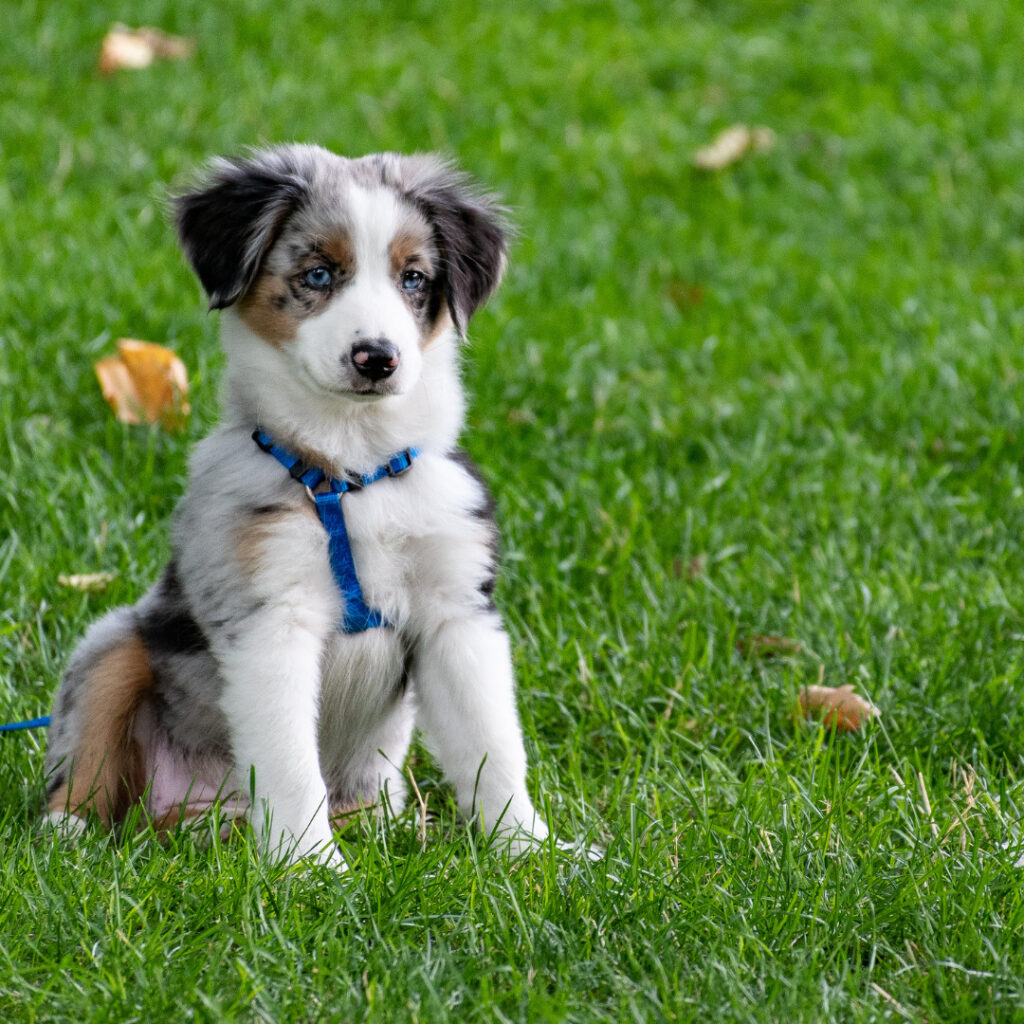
(365, 391)
(366, 394)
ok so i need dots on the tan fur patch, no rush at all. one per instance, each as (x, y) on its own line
(437, 328)
(339, 249)
(106, 772)
(254, 536)
(411, 247)
(265, 309)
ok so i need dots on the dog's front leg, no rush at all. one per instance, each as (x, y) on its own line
(270, 701)
(467, 710)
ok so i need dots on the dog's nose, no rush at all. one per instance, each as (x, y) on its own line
(375, 359)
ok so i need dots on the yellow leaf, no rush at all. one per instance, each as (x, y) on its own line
(87, 580)
(839, 707)
(148, 382)
(731, 145)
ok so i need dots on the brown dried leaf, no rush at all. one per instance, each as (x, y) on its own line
(693, 569)
(127, 48)
(87, 580)
(731, 145)
(148, 382)
(767, 646)
(839, 707)
(683, 295)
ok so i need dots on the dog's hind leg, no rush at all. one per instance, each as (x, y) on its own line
(93, 761)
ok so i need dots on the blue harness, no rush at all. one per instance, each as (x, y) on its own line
(358, 616)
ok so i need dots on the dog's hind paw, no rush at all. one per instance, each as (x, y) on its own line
(64, 823)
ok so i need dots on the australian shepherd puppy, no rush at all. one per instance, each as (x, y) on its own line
(346, 286)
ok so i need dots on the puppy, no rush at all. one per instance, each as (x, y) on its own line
(280, 664)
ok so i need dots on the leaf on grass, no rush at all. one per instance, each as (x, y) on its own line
(767, 646)
(693, 569)
(683, 295)
(87, 580)
(136, 48)
(731, 145)
(838, 706)
(145, 382)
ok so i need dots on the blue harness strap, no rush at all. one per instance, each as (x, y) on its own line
(31, 723)
(358, 615)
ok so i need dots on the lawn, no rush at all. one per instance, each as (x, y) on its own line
(778, 400)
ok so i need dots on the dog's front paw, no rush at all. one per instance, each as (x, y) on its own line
(328, 857)
(306, 850)
(520, 843)
(578, 849)
(326, 854)
(581, 849)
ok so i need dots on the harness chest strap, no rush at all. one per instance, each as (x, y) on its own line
(358, 615)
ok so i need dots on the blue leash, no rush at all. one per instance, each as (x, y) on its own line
(358, 615)
(31, 723)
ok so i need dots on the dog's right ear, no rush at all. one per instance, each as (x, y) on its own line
(227, 223)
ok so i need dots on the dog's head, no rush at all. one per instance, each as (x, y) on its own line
(350, 268)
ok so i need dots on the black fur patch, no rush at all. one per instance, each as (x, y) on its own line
(170, 628)
(67, 695)
(269, 510)
(227, 224)
(485, 512)
(470, 235)
(408, 660)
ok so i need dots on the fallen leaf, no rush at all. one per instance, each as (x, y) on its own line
(521, 416)
(767, 646)
(698, 565)
(839, 707)
(128, 48)
(87, 580)
(683, 295)
(731, 145)
(145, 382)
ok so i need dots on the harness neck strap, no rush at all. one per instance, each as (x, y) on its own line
(358, 615)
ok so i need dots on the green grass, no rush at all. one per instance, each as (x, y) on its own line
(804, 372)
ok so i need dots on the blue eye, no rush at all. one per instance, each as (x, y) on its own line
(413, 280)
(318, 278)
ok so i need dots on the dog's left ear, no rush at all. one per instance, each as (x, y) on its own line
(227, 223)
(470, 231)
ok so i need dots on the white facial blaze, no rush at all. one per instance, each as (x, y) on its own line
(369, 307)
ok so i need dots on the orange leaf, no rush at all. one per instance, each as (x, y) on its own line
(839, 706)
(148, 382)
